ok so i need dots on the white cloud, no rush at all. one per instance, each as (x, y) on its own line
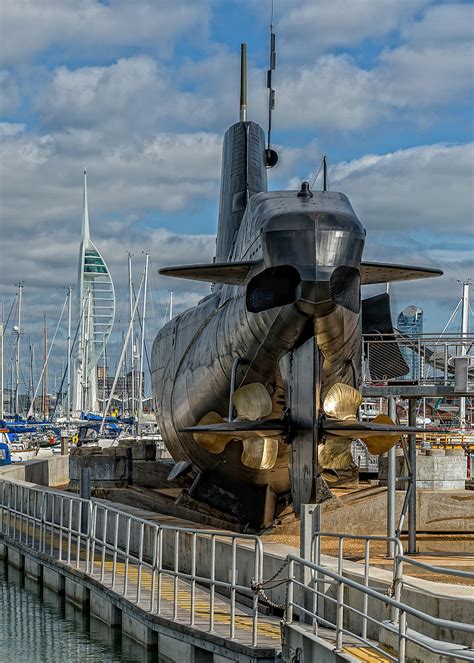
(423, 188)
(164, 174)
(11, 128)
(431, 66)
(9, 94)
(451, 23)
(316, 25)
(28, 27)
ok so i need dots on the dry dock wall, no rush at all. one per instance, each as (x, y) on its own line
(436, 511)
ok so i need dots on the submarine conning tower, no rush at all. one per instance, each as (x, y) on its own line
(243, 170)
(243, 174)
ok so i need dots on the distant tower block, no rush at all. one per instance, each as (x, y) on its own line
(95, 316)
(410, 323)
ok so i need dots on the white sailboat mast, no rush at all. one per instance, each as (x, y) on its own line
(142, 344)
(132, 338)
(69, 358)
(17, 329)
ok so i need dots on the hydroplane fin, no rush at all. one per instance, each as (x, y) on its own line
(233, 273)
(380, 272)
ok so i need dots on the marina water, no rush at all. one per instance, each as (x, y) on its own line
(38, 626)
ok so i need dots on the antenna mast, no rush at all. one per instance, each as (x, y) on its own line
(271, 156)
(243, 82)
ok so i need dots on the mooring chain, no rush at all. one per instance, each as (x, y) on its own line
(258, 587)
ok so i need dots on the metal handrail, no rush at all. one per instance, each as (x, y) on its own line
(97, 529)
(433, 352)
(397, 582)
(441, 570)
(402, 609)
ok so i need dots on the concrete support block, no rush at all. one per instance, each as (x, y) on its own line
(110, 637)
(52, 599)
(77, 594)
(138, 631)
(32, 585)
(175, 649)
(201, 655)
(33, 569)
(54, 580)
(102, 608)
(3, 551)
(16, 559)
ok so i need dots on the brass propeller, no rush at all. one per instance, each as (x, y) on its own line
(342, 403)
(380, 444)
(210, 441)
(252, 403)
(260, 453)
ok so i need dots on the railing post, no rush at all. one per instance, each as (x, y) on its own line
(402, 630)
(85, 493)
(397, 581)
(212, 587)
(310, 522)
(176, 578)
(233, 574)
(160, 567)
(193, 577)
(412, 457)
(290, 592)
(365, 598)
(391, 483)
(339, 616)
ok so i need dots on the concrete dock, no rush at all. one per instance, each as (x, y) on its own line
(194, 593)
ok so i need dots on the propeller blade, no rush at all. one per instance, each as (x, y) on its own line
(252, 402)
(260, 453)
(380, 444)
(335, 454)
(204, 435)
(342, 402)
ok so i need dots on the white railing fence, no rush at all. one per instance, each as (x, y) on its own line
(396, 630)
(429, 357)
(151, 564)
(113, 545)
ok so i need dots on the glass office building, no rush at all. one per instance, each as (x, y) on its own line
(410, 323)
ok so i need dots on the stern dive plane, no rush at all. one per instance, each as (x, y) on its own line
(256, 386)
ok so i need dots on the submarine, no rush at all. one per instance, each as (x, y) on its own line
(256, 387)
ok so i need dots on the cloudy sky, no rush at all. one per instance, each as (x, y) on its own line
(141, 92)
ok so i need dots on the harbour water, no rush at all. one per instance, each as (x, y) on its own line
(38, 626)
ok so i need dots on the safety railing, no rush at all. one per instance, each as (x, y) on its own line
(435, 570)
(424, 359)
(454, 440)
(164, 551)
(110, 544)
(57, 524)
(365, 556)
(344, 612)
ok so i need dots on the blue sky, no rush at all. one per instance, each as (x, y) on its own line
(141, 92)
